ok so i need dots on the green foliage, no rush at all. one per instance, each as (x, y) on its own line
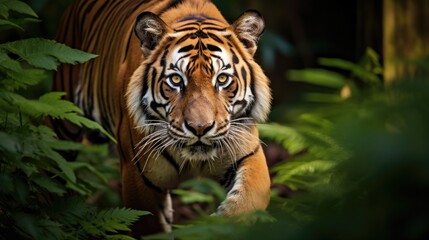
(358, 156)
(15, 6)
(217, 227)
(42, 196)
(46, 54)
(201, 191)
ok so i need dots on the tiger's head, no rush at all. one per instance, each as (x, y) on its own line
(198, 90)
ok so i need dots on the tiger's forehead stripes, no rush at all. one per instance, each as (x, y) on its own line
(198, 22)
(201, 52)
(198, 46)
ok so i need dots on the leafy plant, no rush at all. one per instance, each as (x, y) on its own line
(41, 196)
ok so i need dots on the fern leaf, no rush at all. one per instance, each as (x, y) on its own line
(69, 210)
(67, 110)
(46, 54)
(60, 161)
(82, 165)
(49, 185)
(290, 138)
(51, 104)
(303, 174)
(119, 237)
(117, 219)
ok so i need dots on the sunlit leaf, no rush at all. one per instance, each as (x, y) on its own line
(319, 77)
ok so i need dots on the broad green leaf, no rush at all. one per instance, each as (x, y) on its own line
(188, 196)
(58, 107)
(16, 6)
(319, 77)
(82, 121)
(10, 24)
(22, 79)
(205, 185)
(46, 54)
(4, 11)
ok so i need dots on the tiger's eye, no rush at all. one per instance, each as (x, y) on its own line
(222, 78)
(176, 79)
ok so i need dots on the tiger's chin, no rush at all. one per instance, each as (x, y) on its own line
(198, 152)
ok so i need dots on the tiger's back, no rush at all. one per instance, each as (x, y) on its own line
(177, 86)
(105, 28)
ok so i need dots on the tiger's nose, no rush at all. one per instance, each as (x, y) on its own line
(199, 129)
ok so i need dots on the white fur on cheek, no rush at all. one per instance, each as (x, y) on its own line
(134, 97)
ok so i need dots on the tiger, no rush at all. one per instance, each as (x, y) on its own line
(179, 89)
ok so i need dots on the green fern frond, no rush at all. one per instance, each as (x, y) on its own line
(290, 138)
(112, 220)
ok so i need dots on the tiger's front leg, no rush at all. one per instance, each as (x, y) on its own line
(139, 192)
(249, 190)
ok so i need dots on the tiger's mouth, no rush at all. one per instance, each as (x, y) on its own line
(199, 147)
(199, 151)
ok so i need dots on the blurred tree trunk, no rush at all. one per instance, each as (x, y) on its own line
(369, 26)
(405, 37)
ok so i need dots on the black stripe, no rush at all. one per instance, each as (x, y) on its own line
(215, 29)
(184, 38)
(235, 59)
(186, 48)
(186, 29)
(148, 182)
(216, 38)
(145, 79)
(252, 90)
(171, 160)
(229, 177)
(154, 105)
(213, 48)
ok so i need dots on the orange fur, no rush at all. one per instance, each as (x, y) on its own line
(156, 86)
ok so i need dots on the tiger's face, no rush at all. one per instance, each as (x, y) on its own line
(199, 91)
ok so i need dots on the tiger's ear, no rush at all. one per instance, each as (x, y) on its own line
(150, 29)
(249, 27)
